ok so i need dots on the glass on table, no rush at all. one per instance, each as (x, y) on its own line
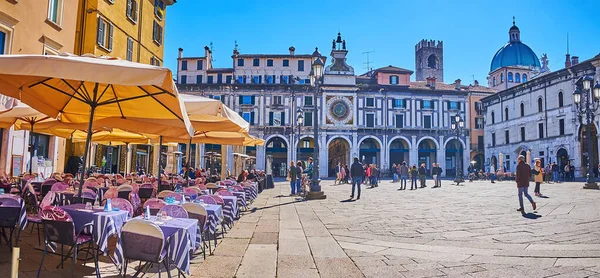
(88, 206)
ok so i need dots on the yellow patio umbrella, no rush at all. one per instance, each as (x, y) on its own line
(207, 114)
(84, 89)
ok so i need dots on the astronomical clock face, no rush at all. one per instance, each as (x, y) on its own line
(339, 110)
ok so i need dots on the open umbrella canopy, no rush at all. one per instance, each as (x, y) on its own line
(219, 138)
(83, 89)
(207, 114)
(112, 135)
(75, 88)
(21, 113)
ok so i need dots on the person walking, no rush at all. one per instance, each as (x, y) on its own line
(309, 170)
(434, 174)
(555, 172)
(403, 175)
(338, 173)
(347, 171)
(572, 171)
(356, 171)
(293, 177)
(538, 176)
(438, 173)
(394, 171)
(567, 170)
(422, 174)
(342, 174)
(413, 177)
(299, 170)
(522, 178)
(492, 173)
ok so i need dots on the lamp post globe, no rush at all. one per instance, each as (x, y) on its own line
(586, 100)
(316, 74)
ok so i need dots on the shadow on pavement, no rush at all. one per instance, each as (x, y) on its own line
(545, 197)
(531, 215)
(347, 201)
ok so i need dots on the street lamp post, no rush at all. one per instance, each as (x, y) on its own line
(587, 103)
(299, 121)
(316, 75)
(457, 127)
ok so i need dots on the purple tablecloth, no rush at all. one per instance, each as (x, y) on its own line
(23, 215)
(215, 216)
(105, 223)
(241, 198)
(230, 209)
(180, 234)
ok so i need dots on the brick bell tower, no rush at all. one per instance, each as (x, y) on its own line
(429, 60)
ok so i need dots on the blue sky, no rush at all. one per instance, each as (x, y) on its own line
(472, 31)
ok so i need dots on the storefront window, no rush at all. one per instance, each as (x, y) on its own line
(41, 143)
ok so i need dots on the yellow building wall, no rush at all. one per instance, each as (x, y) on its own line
(141, 30)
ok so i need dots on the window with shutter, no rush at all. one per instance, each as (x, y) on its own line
(129, 49)
(283, 118)
(253, 100)
(270, 118)
(101, 32)
(252, 118)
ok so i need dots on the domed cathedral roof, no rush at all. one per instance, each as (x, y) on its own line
(514, 53)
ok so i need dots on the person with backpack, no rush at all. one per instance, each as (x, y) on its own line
(413, 177)
(522, 178)
(403, 175)
(422, 174)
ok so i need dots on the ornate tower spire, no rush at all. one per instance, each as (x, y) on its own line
(514, 33)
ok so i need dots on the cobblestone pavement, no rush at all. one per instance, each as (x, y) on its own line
(453, 231)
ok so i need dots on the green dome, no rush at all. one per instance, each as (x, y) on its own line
(514, 53)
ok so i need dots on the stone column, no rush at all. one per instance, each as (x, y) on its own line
(384, 166)
(155, 156)
(201, 150)
(260, 157)
(413, 153)
(128, 159)
(441, 155)
(466, 155)
(323, 153)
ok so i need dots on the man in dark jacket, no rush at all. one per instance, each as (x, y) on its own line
(422, 173)
(356, 171)
(522, 178)
(437, 170)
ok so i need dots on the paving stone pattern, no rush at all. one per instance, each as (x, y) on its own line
(452, 231)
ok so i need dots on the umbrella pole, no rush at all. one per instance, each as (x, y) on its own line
(127, 157)
(31, 150)
(87, 149)
(160, 143)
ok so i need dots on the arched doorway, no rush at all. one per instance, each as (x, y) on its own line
(338, 151)
(369, 151)
(427, 153)
(478, 159)
(562, 158)
(586, 150)
(276, 149)
(453, 147)
(305, 149)
(399, 152)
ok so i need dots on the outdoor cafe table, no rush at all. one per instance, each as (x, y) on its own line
(241, 195)
(23, 213)
(105, 223)
(180, 235)
(230, 209)
(215, 215)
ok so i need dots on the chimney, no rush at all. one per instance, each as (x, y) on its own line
(292, 50)
(208, 55)
(431, 82)
(574, 60)
(476, 83)
(457, 84)
(180, 53)
(568, 60)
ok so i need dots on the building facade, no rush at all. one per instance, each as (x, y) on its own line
(132, 30)
(539, 116)
(380, 116)
(35, 27)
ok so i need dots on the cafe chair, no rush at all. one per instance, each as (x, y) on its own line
(207, 199)
(145, 242)
(164, 194)
(198, 212)
(174, 211)
(59, 228)
(124, 190)
(155, 205)
(122, 204)
(175, 196)
(146, 191)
